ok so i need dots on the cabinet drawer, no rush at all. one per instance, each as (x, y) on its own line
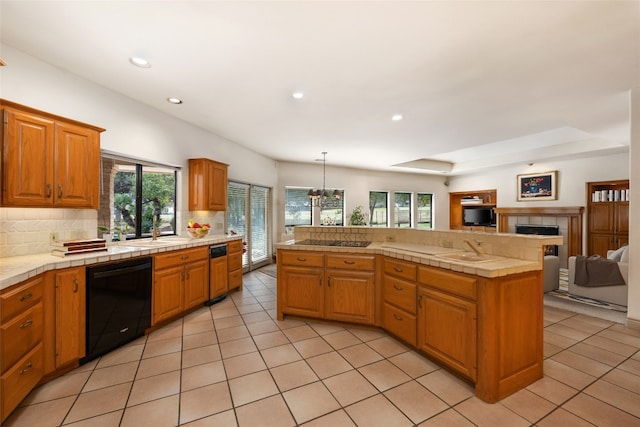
(181, 257)
(234, 246)
(18, 381)
(17, 299)
(402, 269)
(20, 335)
(400, 323)
(307, 259)
(400, 293)
(234, 262)
(352, 262)
(453, 283)
(235, 279)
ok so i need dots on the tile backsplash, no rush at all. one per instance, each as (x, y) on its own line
(26, 231)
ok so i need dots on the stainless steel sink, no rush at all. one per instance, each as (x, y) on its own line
(467, 257)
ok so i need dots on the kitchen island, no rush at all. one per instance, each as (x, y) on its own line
(479, 314)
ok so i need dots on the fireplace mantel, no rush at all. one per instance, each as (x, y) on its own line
(573, 214)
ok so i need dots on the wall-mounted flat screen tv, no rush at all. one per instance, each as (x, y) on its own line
(478, 215)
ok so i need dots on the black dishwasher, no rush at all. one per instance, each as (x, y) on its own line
(118, 304)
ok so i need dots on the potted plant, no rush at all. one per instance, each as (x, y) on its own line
(357, 217)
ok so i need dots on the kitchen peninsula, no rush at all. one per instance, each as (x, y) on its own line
(471, 301)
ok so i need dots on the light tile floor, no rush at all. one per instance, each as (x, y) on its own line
(234, 365)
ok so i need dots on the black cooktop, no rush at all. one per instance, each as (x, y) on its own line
(344, 243)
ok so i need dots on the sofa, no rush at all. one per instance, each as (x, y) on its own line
(551, 273)
(616, 294)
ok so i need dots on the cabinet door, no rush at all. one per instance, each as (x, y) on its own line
(622, 217)
(70, 315)
(219, 280)
(447, 330)
(26, 166)
(350, 296)
(167, 293)
(303, 292)
(599, 244)
(217, 186)
(196, 286)
(601, 217)
(76, 167)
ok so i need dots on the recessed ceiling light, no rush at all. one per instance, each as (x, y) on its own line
(140, 62)
(174, 100)
(397, 117)
(298, 94)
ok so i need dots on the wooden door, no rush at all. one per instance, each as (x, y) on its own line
(76, 167)
(350, 296)
(303, 292)
(27, 165)
(196, 283)
(447, 330)
(601, 217)
(70, 315)
(621, 217)
(167, 293)
(219, 280)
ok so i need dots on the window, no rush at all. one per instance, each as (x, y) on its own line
(378, 208)
(333, 212)
(297, 208)
(402, 212)
(132, 193)
(425, 218)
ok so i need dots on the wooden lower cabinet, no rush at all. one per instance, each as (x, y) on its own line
(400, 323)
(180, 282)
(234, 264)
(349, 296)
(447, 330)
(218, 277)
(303, 294)
(327, 286)
(70, 315)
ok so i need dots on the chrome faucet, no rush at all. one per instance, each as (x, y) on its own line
(475, 246)
(154, 228)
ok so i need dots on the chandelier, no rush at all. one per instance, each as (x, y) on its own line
(321, 198)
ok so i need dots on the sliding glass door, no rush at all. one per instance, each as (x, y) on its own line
(248, 214)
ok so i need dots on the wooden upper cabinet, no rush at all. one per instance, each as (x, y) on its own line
(607, 216)
(207, 185)
(48, 161)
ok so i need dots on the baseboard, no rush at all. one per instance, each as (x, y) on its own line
(633, 324)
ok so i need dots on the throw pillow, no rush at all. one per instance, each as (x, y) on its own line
(617, 254)
(625, 255)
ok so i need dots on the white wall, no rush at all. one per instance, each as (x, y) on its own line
(572, 178)
(132, 128)
(357, 183)
(634, 211)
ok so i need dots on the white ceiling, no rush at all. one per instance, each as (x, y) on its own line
(479, 83)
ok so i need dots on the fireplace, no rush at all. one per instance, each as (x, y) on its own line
(543, 230)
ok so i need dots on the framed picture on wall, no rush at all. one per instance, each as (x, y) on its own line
(537, 186)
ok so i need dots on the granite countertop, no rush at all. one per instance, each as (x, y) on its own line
(486, 266)
(18, 269)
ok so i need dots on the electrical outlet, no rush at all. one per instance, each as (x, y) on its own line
(53, 237)
(390, 238)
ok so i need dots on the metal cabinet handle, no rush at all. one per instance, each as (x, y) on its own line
(398, 269)
(346, 261)
(26, 369)
(184, 257)
(26, 324)
(48, 193)
(329, 282)
(395, 316)
(26, 297)
(420, 301)
(301, 259)
(397, 288)
(76, 285)
(59, 191)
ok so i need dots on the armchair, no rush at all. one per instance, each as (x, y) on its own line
(617, 294)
